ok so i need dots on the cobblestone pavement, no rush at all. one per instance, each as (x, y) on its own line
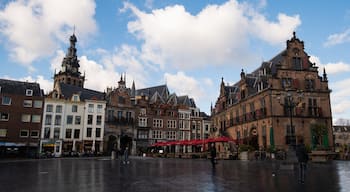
(157, 174)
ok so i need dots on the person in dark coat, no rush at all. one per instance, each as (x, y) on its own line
(303, 158)
(213, 154)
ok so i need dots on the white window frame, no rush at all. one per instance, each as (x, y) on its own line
(158, 123)
(27, 103)
(26, 118)
(23, 131)
(142, 122)
(3, 119)
(36, 118)
(3, 100)
(29, 92)
(34, 136)
(38, 104)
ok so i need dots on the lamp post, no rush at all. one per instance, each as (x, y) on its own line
(290, 102)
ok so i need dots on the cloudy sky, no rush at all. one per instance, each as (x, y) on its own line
(188, 45)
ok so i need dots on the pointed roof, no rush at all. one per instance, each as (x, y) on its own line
(162, 90)
(19, 87)
(68, 91)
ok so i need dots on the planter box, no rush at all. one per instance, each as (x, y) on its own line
(322, 156)
(244, 155)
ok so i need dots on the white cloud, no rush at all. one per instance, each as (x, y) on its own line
(56, 61)
(340, 97)
(32, 28)
(98, 77)
(182, 84)
(218, 34)
(338, 38)
(331, 68)
(45, 84)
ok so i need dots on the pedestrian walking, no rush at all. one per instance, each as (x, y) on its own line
(126, 156)
(303, 158)
(213, 155)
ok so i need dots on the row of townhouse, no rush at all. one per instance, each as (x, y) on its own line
(71, 119)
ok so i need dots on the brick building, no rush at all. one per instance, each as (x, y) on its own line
(281, 100)
(20, 117)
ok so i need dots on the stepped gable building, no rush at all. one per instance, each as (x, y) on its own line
(166, 117)
(20, 118)
(283, 99)
(120, 117)
(73, 115)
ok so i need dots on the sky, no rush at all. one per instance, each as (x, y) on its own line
(187, 45)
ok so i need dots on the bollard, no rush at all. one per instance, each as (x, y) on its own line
(113, 155)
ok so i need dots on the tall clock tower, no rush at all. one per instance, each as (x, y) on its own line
(69, 73)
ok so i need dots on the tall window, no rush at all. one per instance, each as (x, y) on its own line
(91, 108)
(59, 109)
(297, 64)
(48, 120)
(98, 120)
(76, 133)
(171, 123)
(90, 119)
(68, 133)
(98, 132)
(58, 119)
(69, 119)
(89, 132)
(77, 120)
(49, 108)
(56, 133)
(312, 107)
(99, 108)
(128, 116)
(120, 114)
(47, 132)
(74, 108)
(6, 100)
(290, 135)
(286, 82)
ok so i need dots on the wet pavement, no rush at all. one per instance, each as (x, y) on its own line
(157, 174)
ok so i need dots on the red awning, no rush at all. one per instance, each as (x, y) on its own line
(192, 142)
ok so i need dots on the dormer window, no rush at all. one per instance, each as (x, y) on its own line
(297, 63)
(29, 92)
(75, 98)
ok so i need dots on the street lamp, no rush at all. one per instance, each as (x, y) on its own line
(290, 102)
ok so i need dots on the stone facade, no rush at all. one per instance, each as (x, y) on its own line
(283, 99)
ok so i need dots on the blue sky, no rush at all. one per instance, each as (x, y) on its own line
(188, 45)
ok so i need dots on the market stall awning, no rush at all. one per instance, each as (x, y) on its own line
(192, 142)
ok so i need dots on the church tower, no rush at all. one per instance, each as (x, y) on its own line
(69, 73)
